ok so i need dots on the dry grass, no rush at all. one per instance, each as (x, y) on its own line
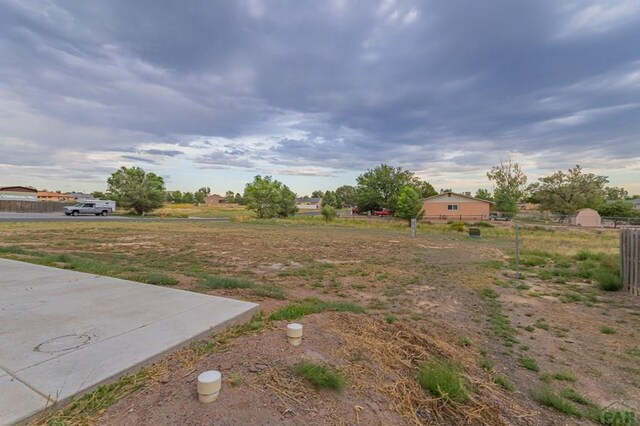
(394, 354)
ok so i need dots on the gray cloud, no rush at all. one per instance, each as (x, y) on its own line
(324, 85)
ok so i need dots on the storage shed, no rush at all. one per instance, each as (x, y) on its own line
(586, 217)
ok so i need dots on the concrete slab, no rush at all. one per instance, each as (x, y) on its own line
(64, 332)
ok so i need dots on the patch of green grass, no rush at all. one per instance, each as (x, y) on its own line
(320, 376)
(570, 296)
(464, 341)
(615, 417)
(443, 380)
(564, 376)
(492, 264)
(574, 396)
(528, 363)
(217, 282)
(547, 397)
(157, 278)
(390, 319)
(529, 328)
(541, 324)
(605, 329)
(312, 305)
(14, 250)
(532, 260)
(486, 364)
(500, 324)
(503, 382)
(523, 286)
(635, 351)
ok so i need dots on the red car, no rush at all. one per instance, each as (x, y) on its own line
(383, 212)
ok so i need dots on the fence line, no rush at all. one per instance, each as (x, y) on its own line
(16, 206)
(630, 260)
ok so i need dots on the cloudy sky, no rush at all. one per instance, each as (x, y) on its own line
(211, 93)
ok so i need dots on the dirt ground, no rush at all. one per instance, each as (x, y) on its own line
(423, 301)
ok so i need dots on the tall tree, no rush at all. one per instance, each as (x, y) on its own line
(317, 194)
(98, 195)
(615, 193)
(238, 199)
(510, 182)
(229, 196)
(409, 204)
(135, 189)
(424, 188)
(567, 192)
(347, 195)
(380, 187)
(484, 194)
(269, 198)
(201, 194)
(330, 198)
(188, 198)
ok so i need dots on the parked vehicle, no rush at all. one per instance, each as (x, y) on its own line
(499, 217)
(96, 207)
(383, 212)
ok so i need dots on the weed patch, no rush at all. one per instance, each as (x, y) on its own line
(320, 376)
(503, 382)
(312, 305)
(528, 363)
(443, 380)
(500, 324)
(547, 397)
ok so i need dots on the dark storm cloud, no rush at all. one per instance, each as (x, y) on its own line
(341, 85)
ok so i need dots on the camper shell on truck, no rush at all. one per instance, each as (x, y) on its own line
(96, 207)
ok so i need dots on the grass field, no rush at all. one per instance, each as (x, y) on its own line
(431, 302)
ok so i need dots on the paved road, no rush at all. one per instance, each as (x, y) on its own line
(61, 217)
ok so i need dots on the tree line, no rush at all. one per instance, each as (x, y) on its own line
(387, 187)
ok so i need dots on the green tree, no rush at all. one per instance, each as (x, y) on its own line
(425, 189)
(98, 195)
(188, 198)
(484, 194)
(330, 198)
(229, 196)
(380, 187)
(317, 194)
(615, 193)
(347, 195)
(137, 190)
(510, 182)
(238, 199)
(174, 197)
(269, 198)
(409, 204)
(201, 194)
(567, 192)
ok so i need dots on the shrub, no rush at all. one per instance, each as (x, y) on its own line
(457, 226)
(607, 280)
(607, 330)
(320, 376)
(329, 213)
(443, 380)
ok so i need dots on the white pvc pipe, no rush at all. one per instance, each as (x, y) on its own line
(294, 333)
(209, 385)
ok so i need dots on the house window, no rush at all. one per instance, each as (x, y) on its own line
(452, 207)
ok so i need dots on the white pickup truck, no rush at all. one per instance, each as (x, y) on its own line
(97, 207)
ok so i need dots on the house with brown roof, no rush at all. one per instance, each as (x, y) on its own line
(453, 206)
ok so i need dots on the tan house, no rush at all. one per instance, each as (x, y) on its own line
(308, 203)
(452, 206)
(18, 193)
(213, 200)
(586, 217)
(55, 196)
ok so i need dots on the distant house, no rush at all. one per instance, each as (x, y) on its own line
(55, 196)
(213, 200)
(79, 196)
(308, 203)
(452, 206)
(18, 193)
(586, 217)
(636, 203)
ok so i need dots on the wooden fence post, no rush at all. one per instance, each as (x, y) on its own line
(630, 260)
